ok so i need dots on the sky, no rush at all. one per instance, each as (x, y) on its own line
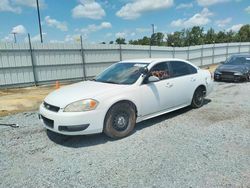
(105, 20)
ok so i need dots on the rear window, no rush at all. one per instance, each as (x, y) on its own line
(180, 68)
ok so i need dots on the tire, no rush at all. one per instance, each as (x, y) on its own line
(120, 120)
(248, 78)
(198, 98)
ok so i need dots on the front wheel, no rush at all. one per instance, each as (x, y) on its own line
(120, 120)
(198, 98)
(248, 78)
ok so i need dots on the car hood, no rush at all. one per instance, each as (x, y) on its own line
(82, 90)
(233, 68)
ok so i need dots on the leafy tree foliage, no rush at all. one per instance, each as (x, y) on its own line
(193, 36)
(120, 41)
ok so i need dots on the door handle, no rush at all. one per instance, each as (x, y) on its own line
(169, 85)
(193, 79)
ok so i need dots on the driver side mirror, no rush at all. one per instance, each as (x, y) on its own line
(153, 79)
(144, 70)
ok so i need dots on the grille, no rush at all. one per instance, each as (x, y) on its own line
(51, 107)
(227, 73)
(48, 122)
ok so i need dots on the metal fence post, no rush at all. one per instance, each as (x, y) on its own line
(227, 50)
(120, 51)
(173, 52)
(150, 51)
(83, 59)
(213, 54)
(32, 60)
(239, 47)
(201, 54)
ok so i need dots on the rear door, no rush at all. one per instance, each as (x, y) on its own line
(184, 79)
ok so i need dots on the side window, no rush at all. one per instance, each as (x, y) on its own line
(160, 70)
(180, 68)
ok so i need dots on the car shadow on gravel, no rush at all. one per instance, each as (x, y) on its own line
(96, 139)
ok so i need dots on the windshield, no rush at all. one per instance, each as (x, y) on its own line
(235, 60)
(121, 73)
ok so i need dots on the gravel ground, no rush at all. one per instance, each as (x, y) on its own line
(206, 147)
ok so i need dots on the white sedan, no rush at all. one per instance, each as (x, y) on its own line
(125, 93)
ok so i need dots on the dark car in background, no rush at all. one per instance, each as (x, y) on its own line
(236, 68)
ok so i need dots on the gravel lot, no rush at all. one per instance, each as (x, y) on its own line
(206, 147)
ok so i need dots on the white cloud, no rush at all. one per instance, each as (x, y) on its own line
(56, 41)
(19, 29)
(206, 3)
(121, 35)
(198, 19)
(133, 10)
(184, 5)
(105, 25)
(35, 38)
(8, 38)
(224, 22)
(235, 28)
(94, 28)
(88, 9)
(7, 6)
(29, 3)
(74, 38)
(55, 23)
(247, 9)
(14, 5)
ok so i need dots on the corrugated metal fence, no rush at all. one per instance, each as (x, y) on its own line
(35, 64)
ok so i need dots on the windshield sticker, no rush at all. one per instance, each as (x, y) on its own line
(140, 65)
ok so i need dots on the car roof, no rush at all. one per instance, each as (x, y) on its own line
(151, 60)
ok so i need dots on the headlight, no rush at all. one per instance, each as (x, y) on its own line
(81, 106)
(238, 74)
(217, 72)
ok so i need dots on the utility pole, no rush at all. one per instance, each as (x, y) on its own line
(153, 31)
(39, 21)
(153, 28)
(14, 34)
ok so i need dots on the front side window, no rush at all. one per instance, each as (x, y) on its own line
(121, 73)
(160, 70)
(180, 68)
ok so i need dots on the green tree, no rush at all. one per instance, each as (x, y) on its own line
(157, 39)
(221, 37)
(176, 39)
(244, 33)
(210, 36)
(196, 36)
(120, 41)
(111, 42)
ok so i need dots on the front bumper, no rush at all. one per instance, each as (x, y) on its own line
(72, 123)
(229, 77)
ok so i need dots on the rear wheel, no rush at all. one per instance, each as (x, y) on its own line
(198, 98)
(120, 120)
